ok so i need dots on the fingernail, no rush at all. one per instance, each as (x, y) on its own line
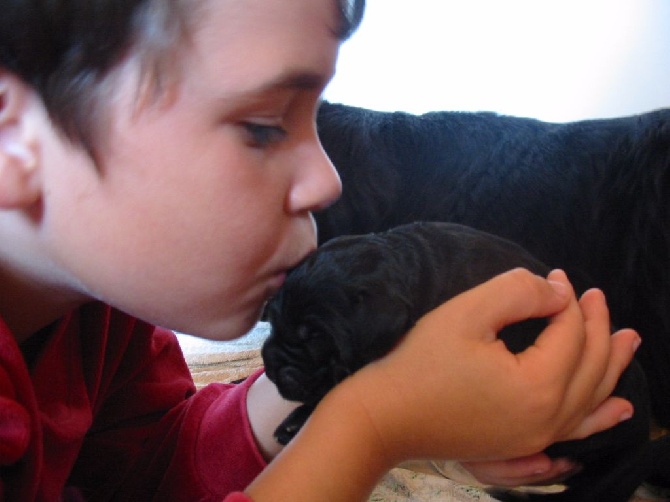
(558, 273)
(636, 343)
(565, 465)
(560, 288)
(626, 416)
(575, 469)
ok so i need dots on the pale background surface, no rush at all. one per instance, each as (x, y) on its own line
(555, 60)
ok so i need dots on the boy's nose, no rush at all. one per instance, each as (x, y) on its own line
(318, 185)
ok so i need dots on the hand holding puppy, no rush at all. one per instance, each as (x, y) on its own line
(468, 397)
(451, 389)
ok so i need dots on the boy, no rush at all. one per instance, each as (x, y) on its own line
(158, 166)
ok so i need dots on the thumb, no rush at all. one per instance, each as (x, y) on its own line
(518, 295)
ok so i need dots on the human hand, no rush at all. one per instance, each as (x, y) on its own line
(424, 401)
(536, 469)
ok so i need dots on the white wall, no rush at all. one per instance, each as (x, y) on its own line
(556, 60)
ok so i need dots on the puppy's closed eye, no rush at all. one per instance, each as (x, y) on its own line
(305, 333)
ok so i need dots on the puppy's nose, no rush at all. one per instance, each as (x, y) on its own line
(291, 383)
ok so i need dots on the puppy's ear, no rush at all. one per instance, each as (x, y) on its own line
(19, 176)
(380, 316)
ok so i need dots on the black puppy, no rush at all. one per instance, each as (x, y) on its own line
(591, 197)
(356, 296)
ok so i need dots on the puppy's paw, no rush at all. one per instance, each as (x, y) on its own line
(292, 424)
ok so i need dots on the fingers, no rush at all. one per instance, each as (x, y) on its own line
(529, 470)
(578, 350)
(624, 343)
(612, 411)
(558, 350)
(597, 350)
(525, 295)
(559, 386)
(586, 384)
(606, 356)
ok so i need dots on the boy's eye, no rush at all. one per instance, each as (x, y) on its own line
(262, 135)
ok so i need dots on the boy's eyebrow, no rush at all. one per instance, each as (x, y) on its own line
(294, 79)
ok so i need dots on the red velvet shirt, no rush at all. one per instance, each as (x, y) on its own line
(101, 406)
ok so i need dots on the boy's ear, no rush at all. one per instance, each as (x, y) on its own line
(19, 173)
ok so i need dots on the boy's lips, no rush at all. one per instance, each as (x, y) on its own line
(277, 279)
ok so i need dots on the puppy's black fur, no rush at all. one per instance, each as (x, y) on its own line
(591, 197)
(356, 296)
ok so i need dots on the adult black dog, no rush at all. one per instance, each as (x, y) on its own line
(591, 197)
(356, 296)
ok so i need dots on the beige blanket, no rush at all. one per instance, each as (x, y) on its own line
(211, 361)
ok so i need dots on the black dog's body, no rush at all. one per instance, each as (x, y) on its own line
(356, 296)
(591, 197)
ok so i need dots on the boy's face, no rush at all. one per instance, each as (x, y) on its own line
(203, 199)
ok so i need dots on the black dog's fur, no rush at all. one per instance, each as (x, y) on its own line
(591, 197)
(356, 296)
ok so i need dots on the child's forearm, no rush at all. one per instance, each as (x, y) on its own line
(267, 409)
(336, 457)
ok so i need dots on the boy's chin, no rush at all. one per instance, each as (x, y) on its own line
(221, 330)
